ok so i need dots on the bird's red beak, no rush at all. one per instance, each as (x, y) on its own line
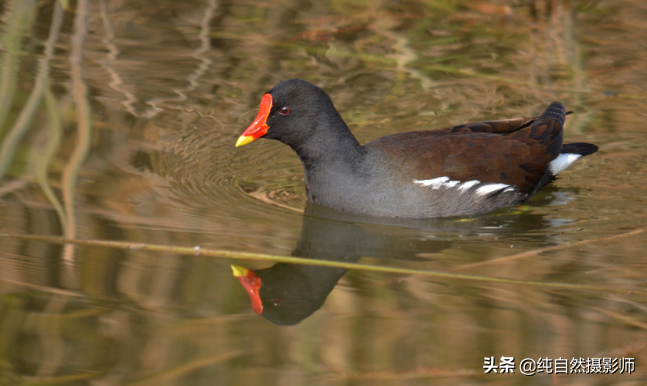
(252, 285)
(259, 127)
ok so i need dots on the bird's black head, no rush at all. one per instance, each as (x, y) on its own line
(291, 112)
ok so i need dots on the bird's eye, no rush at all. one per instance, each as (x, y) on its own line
(284, 111)
(276, 302)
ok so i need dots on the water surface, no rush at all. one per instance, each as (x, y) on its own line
(118, 121)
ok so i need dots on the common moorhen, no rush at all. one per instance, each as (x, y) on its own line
(459, 171)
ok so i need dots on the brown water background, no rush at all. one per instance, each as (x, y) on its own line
(118, 120)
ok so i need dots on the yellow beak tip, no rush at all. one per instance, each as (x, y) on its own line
(239, 271)
(243, 140)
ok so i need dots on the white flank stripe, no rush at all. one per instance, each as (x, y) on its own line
(445, 182)
(466, 185)
(436, 183)
(489, 188)
(562, 162)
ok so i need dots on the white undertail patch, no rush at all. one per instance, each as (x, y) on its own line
(562, 162)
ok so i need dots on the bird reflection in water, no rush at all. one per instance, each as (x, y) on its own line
(286, 294)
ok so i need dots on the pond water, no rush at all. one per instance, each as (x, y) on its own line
(118, 122)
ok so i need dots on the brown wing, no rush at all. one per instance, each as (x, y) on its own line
(514, 152)
(495, 127)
